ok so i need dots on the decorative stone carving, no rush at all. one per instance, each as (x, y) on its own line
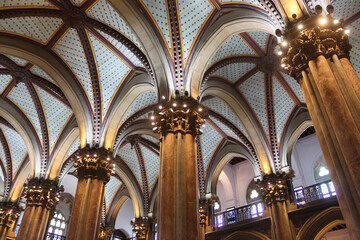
(203, 211)
(42, 192)
(95, 163)
(141, 227)
(274, 187)
(182, 114)
(105, 232)
(9, 214)
(311, 40)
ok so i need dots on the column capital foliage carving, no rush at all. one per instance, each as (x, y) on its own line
(274, 187)
(42, 192)
(105, 232)
(94, 163)
(307, 39)
(181, 114)
(141, 226)
(203, 210)
(9, 213)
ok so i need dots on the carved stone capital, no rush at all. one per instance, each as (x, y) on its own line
(182, 114)
(9, 214)
(141, 227)
(105, 232)
(274, 187)
(314, 39)
(203, 212)
(94, 163)
(42, 192)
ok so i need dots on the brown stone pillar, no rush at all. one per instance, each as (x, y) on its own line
(178, 121)
(274, 189)
(9, 215)
(318, 57)
(206, 216)
(94, 166)
(41, 195)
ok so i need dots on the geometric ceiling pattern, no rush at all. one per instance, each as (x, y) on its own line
(103, 56)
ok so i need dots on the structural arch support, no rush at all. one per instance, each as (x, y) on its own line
(227, 23)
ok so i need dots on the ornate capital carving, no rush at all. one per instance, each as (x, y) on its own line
(203, 211)
(141, 227)
(42, 192)
(182, 114)
(9, 214)
(310, 38)
(274, 187)
(95, 163)
(105, 232)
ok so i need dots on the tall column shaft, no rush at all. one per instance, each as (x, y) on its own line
(94, 166)
(41, 195)
(318, 57)
(178, 123)
(275, 192)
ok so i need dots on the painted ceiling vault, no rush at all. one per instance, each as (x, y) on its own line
(76, 72)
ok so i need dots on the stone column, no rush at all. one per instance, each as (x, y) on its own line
(94, 166)
(41, 195)
(142, 228)
(318, 57)
(205, 215)
(178, 121)
(274, 189)
(9, 215)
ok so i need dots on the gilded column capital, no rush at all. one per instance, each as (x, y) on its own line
(95, 163)
(9, 214)
(307, 39)
(141, 226)
(42, 192)
(182, 114)
(203, 211)
(105, 232)
(274, 187)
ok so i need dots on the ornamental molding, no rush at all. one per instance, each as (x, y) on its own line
(315, 36)
(182, 114)
(42, 192)
(94, 163)
(9, 214)
(141, 226)
(274, 187)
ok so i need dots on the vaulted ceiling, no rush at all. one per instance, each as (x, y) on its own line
(88, 72)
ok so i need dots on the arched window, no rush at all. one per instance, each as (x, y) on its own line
(321, 172)
(57, 227)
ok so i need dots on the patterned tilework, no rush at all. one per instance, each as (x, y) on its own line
(21, 96)
(70, 49)
(344, 9)
(151, 165)
(105, 13)
(225, 129)
(38, 71)
(74, 147)
(222, 108)
(39, 28)
(150, 138)
(78, 2)
(17, 3)
(192, 16)
(254, 91)
(295, 87)
(158, 10)
(16, 145)
(57, 114)
(209, 141)
(282, 107)
(260, 37)
(18, 61)
(233, 46)
(110, 190)
(129, 54)
(129, 156)
(234, 71)
(255, 2)
(143, 100)
(4, 80)
(111, 70)
(355, 41)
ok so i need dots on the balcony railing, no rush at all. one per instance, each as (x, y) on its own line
(315, 192)
(52, 236)
(240, 214)
(255, 210)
